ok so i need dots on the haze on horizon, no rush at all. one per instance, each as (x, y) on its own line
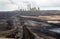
(7, 5)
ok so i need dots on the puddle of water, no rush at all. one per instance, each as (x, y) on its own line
(57, 30)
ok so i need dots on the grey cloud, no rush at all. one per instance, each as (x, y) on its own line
(6, 5)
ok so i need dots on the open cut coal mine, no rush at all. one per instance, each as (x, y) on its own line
(12, 25)
(44, 30)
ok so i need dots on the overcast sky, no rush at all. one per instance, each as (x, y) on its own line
(43, 4)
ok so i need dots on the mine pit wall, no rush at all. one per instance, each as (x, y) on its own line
(27, 34)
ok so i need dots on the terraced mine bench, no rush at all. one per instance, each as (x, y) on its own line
(39, 29)
(38, 35)
(42, 30)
